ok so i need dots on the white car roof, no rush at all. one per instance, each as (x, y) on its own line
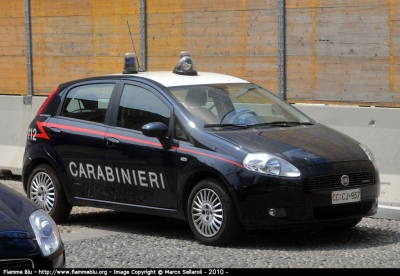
(169, 79)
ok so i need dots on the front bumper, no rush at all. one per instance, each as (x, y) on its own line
(269, 202)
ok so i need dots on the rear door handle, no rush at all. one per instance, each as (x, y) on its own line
(54, 130)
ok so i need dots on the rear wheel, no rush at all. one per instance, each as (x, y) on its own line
(44, 188)
(212, 214)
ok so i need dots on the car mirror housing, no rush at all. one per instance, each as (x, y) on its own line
(159, 131)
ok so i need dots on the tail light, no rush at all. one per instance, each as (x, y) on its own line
(46, 101)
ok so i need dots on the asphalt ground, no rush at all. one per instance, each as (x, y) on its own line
(97, 238)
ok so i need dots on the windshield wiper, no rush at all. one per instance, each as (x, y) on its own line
(281, 123)
(272, 124)
(225, 126)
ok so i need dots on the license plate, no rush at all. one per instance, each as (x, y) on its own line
(346, 196)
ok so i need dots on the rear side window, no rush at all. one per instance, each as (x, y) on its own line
(139, 106)
(88, 102)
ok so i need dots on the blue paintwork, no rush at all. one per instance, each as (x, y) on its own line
(17, 240)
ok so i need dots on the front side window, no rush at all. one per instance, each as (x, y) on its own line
(88, 102)
(139, 106)
(244, 104)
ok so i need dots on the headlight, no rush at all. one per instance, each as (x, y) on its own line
(269, 164)
(46, 232)
(368, 152)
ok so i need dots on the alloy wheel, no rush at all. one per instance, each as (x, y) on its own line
(42, 191)
(207, 212)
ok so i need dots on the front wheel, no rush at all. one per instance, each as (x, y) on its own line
(44, 188)
(212, 214)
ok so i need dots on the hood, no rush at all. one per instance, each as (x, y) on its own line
(15, 210)
(300, 145)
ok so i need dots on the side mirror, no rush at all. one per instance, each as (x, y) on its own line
(157, 130)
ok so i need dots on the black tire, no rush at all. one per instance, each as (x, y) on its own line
(212, 214)
(45, 189)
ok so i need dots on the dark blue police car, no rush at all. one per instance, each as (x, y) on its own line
(215, 150)
(29, 238)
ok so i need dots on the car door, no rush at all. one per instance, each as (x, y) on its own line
(77, 136)
(141, 172)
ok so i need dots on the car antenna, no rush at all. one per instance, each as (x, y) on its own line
(134, 49)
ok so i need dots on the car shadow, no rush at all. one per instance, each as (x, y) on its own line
(355, 238)
(360, 236)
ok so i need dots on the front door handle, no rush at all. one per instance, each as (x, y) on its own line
(111, 142)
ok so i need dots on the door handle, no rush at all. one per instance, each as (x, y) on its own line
(54, 130)
(111, 142)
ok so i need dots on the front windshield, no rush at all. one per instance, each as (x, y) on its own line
(241, 104)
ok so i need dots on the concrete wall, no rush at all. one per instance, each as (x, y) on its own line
(15, 118)
(377, 128)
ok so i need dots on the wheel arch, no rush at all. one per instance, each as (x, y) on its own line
(55, 199)
(30, 167)
(33, 164)
(191, 181)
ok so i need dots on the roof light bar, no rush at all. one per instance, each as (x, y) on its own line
(185, 65)
(130, 65)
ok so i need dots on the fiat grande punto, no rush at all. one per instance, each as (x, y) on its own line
(217, 151)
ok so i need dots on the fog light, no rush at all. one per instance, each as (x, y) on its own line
(277, 212)
(272, 212)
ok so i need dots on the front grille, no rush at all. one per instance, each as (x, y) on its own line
(16, 264)
(328, 182)
(343, 210)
